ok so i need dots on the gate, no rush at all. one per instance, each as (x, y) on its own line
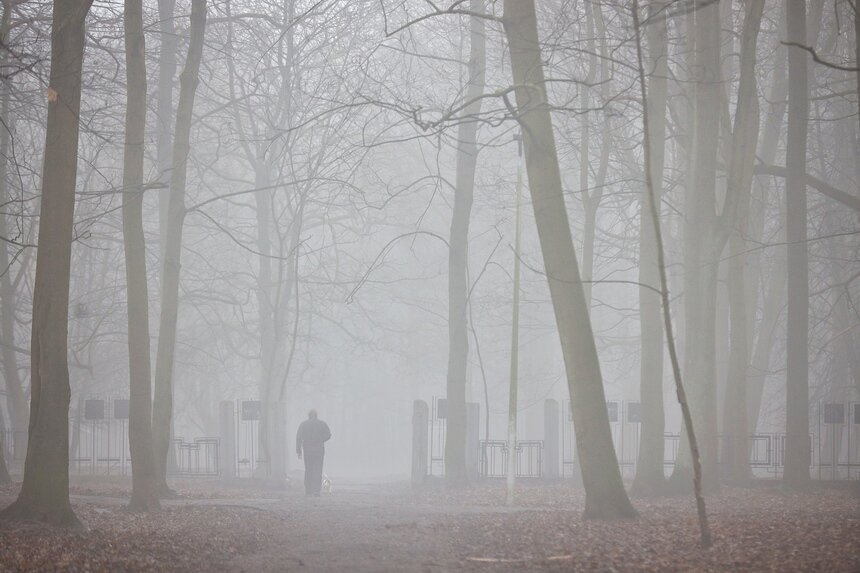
(528, 458)
(198, 458)
(438, 421)
(838, 440)
(99, 437)
(568, 442)
(248, 416)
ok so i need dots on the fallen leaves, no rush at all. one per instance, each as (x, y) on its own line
(180, 538)
(762, 529)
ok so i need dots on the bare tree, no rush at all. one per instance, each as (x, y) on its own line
(16, 401)
(797, 454)
(649, 468)
(605, 495)
(458, 250)
(44, 493)
(704, 528)
(743, 145)
(162, 413)
(169, 46)
(144, 493)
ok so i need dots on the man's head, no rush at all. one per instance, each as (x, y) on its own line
(312, 415)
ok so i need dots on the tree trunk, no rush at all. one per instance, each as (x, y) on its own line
(589, 208)
(774, 289)
(458, 281)
(744, 138)
(5, 478)
(16, 402)
(857, 51)
(591, 198)
(162, 413)
(164, 133)
(513, 385)
(650, 478)
(265, 307)
(44, 493)
(144, 485)
(704, 529)
(702, 249)
(797, 452)
(605, 495)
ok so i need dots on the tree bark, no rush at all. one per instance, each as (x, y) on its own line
(44, 494)
(774, 289)
(650, 478)
(164, 101)
(5, 478)
(797, 452)
(702, 248)
(591, 199)
(605, 495)
(458, 282)
(144, 485)
(704, 529)
(744, 138)
(162, 413)
(16, 402)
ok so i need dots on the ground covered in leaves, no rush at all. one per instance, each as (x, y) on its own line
(755, 529)
(212, 527)
(176, 539)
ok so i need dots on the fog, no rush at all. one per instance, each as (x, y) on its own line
(549, 256)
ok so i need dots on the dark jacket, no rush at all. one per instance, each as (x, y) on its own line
(312, 434)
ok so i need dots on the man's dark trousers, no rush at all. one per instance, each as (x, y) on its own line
(313, 472)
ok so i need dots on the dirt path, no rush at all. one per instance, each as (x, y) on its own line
(364, 529)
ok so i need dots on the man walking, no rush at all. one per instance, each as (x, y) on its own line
(310, 440)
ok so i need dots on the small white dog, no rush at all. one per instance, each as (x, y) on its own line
(326, 485)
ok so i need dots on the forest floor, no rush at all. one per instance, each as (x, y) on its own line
(363, 528)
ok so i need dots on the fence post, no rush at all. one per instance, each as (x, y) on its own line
(473, 425)
(227, 449)
(420, 423)
(550, 439)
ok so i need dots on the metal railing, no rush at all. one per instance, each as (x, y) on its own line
(494, 458)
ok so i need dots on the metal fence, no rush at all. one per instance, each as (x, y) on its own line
(834, 445)
(494, 455)
(98, 437)
(98, 443)
(838, 431)
(438, 426)
(198, 458)
(248, 455)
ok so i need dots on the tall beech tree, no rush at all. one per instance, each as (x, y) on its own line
(458, 283)
(44, 494)
(601, 477)
(144, 492)
(16, 400)
(649, 467)
(797, 453)
(162, 413)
